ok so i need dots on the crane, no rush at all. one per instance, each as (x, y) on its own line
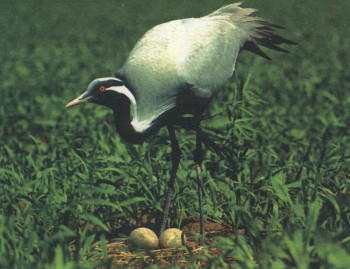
(176, 69)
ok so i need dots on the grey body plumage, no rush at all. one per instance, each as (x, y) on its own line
(176, 68)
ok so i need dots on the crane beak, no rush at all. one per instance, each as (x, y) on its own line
(79, 100)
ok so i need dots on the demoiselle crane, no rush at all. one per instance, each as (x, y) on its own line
(176, 68)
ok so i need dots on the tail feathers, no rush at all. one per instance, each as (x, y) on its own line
(255, 31)
(252, 47)
(263, 34)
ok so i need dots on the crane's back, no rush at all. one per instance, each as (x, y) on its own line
(200, 52)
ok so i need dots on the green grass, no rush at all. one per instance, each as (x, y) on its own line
(286, 178)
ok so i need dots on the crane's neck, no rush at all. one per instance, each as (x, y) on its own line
(126, 130)
(123, 104)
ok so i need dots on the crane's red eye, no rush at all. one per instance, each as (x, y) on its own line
(102, 88)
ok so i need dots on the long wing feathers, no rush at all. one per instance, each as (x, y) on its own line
(252, 47)
(277, 38)
(264, 36)
(257, 31)
(269, 43)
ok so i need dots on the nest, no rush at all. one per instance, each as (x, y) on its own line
(122, 255)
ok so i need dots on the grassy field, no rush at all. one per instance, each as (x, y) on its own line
(68, 183)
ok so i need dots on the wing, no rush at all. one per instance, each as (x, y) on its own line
(192, 51)
(201, 52)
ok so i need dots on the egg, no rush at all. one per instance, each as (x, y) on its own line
(172, 238)
(143, 238)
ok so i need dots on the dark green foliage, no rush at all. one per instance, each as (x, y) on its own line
(66, 178)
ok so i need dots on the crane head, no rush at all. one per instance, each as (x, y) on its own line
(98, 92)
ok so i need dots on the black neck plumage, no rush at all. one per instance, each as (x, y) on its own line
(121, 107)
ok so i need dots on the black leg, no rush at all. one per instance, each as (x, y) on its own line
(198, 162)
(201, 137)
(209, 143)
(207, 139)
(175, 158)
